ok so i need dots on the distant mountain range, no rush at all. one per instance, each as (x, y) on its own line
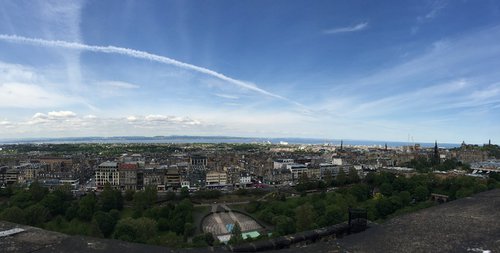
(210, 139)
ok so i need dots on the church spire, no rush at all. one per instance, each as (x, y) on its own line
(436, 153)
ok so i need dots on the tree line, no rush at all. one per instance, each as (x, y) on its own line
(133, 218)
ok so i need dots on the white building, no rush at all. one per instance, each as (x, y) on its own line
(296, 170)
(245, 180)
(281, 163)
(107, 173)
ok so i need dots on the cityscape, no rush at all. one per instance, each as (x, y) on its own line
(249, 126)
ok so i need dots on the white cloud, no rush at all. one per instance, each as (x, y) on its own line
(171, 119)
(354, 28)
(42, 118)
(62, 114)
(226, 96)
(67, 123)
(434, 9)
(16, 73)
(132, 118)
(119, 85)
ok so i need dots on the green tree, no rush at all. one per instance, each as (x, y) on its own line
(341, 178)
(87, 207)
(284, 225)
(37, 191)
(328, 178)
(360, 191)
(370, 178)
(135, 230)
(37, 214)
(110, 199)
(14, 214)
(421, 193)
(129, 194)
(333, 215)
(189, 230)
(184, 193)
(55, 204)
(352, 176)
(145, 199)
(21, 199)
(384, 207)
(236, 235)
(181, 215)
(305, 217)
(105, 222)
(72, 211)
(386, 189)
(405, 197)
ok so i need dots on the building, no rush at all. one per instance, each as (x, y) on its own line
(8, 176)
(173, 178)
(245, 179)
(296, 170)
(333, 169)
(128, 176)
(215, 178)
(107, 173)
(314, 173)
(198, 160)
(281, 163)
(155, 176)
(57, 164)
(185, 184)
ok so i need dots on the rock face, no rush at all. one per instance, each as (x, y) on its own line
(466, 225)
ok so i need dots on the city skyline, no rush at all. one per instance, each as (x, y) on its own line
(356, 70)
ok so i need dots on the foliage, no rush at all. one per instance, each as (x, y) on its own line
(135, 230)
(236, 237)
(14, 214)
(145, 199)
(110, 199)
(87, 207)
(306, 217)
(36, 215)
(283, 225)
(341, 178)
(106, 222)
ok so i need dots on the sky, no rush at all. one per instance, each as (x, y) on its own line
(367, 70)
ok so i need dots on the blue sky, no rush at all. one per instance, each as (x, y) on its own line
(377, 70)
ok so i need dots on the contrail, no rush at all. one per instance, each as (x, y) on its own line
(140, 55)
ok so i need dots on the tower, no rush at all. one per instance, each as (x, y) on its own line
(341, 144)
(436, 153)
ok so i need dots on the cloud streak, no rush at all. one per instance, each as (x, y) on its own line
(139, 55)
(354, 28)
(119, 85)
